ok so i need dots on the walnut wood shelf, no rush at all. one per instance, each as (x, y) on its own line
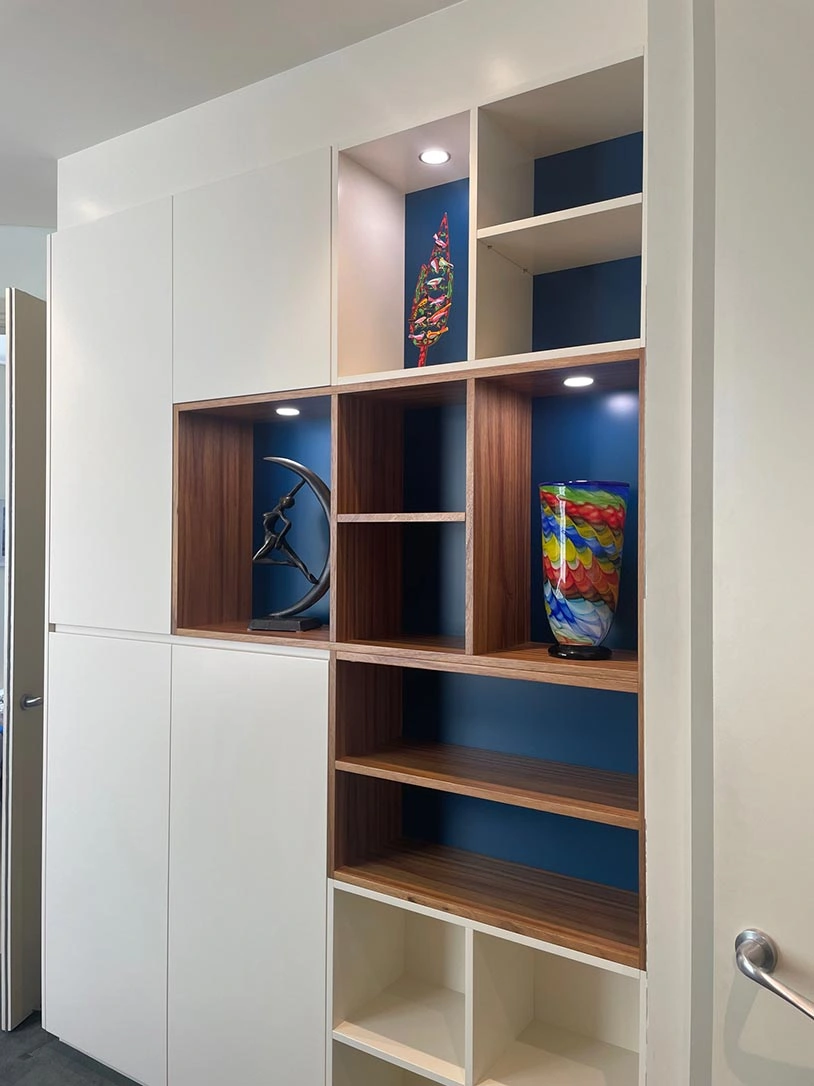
(423, 650)
(239, 631)
(400, 518)
(583, 916)
(529, 662)
(620, 672)
(576, 791)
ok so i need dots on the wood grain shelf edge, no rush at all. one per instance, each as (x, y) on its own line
(583, 916)
(400, 518)
(573, 791)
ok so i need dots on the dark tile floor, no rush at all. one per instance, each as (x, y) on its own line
(31, 1057)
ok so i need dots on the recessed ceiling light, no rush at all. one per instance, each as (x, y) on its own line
(578, 382)
(434, 156)
(288, 412)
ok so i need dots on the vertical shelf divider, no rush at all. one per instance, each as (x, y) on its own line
(501, 481)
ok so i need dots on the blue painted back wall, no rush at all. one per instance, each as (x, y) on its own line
(567, 846)
(308, 441)
(596, 728)
(423, 211)
(584, 435)
(587, 175)
(598, 303)
(434, 575)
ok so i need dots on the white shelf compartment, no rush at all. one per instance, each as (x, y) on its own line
(399, 979)
(354, 1068)
(589, 108)
(544, 1020)
(514, 244)
(373, 180)
(594, 234)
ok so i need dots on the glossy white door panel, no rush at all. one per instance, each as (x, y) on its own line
(24, 575)
(247, 868)
(252, 281)
(107, 802)
(111, 422)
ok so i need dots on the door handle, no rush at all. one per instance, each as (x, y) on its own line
(30, 701)
(756, 957)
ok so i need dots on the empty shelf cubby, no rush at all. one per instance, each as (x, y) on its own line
(399, 983)
(548, 1020)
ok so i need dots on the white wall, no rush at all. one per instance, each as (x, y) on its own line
(23, 258)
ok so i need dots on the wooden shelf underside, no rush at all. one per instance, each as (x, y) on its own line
(574, 791)
(584, 916)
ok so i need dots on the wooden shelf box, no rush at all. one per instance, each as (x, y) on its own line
(222, 488)
(399, 982)
(401, 507)
(547, 1020)
(527, 429)
(513, 803)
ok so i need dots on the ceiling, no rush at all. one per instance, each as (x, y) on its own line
(76, 72)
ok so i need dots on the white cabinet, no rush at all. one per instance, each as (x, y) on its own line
(111, 422)
(247, 868)
(106, 841)
(252, 281)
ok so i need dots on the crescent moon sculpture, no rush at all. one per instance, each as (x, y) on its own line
(277, 551)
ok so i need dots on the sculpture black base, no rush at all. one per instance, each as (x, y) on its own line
(283, 625)
(580, 652)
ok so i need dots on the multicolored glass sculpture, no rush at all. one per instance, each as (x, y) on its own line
(432, 301)
(583, 534)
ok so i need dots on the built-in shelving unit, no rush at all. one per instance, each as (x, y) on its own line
(486, 798)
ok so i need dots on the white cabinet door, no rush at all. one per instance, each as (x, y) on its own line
(252, 281)
(106, 841)
(247, 868)
(111, 422)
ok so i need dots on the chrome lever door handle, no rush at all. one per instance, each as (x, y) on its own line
(30, 701)
(756, 957)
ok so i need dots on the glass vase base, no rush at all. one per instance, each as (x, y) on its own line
(579, 652)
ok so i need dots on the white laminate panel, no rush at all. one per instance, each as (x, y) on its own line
(111, 422)
(247, 869)
(106, 844)
(252, 281)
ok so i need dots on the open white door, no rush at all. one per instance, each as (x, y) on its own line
(24, 574)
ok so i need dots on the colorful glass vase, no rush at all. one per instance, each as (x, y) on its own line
(583, 533)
